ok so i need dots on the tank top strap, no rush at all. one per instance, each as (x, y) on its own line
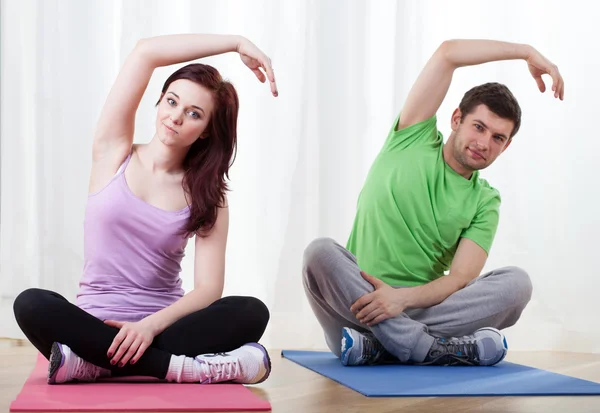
(124, 164)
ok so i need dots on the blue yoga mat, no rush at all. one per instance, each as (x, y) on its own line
(503, 379)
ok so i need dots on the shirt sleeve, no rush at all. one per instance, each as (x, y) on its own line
(485, 223)
(424, 132)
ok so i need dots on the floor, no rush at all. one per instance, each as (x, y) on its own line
(292, 388)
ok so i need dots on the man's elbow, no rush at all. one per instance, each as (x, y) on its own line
(446, 53)
(460, 281)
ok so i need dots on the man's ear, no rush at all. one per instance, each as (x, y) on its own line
(456, 119)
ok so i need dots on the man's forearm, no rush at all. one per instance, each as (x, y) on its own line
(433, 293)
(468, 52)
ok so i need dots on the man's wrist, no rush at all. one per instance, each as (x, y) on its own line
(524, 51)
(407, 296)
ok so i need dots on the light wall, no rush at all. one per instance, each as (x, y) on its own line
(343, 70)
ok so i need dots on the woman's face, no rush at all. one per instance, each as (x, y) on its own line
(183, 113)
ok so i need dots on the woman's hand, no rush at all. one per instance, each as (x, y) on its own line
(131, 341)
(255, 59)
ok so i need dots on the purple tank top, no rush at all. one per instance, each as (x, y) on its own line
(132, 254)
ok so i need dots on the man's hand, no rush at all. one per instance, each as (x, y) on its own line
(383, 303)
(538, 66)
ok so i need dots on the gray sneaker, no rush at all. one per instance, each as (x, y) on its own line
(361, 348)
(484, 348)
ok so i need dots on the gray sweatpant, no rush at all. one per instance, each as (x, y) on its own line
(332, 282)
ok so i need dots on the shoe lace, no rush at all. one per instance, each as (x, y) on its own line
(222, 370)
(455, 352)
(85, 370)
(372, 349)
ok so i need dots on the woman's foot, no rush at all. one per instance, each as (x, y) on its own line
(249, 364)
(66, 366)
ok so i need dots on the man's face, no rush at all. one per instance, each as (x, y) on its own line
(480, 137)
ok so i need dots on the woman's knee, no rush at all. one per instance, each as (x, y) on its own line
(28, 303)
(251, 310)
(258, 310)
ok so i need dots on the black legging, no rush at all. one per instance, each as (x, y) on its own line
(47, 317)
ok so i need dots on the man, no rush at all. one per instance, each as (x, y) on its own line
(424, 210)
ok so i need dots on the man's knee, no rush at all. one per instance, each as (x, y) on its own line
(520, 285)
(318, 255)
(319, 250)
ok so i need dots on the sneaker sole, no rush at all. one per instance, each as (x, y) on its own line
(57, 359)
(266, 361)
(504, 343)
(347, 343)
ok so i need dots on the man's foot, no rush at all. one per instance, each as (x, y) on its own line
(484, 348)
(249, 364)
(65, 366)
(361, 348)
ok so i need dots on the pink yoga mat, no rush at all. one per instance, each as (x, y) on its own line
(37, 396)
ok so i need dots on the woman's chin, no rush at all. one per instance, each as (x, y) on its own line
(172, 142)
(167, 140)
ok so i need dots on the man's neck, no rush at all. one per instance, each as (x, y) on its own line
(453, 163)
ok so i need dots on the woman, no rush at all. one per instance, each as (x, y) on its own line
(145, 202)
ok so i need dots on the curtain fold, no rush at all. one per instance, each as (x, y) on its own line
(344, 69)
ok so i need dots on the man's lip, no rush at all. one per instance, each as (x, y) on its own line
(477, 153)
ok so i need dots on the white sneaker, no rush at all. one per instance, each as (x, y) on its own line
(65, 366)
(249, 364)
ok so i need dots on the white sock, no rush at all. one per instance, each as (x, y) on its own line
(183, 369)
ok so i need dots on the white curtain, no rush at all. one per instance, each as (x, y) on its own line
(343, 70)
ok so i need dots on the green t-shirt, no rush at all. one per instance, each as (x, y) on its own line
(414, 208)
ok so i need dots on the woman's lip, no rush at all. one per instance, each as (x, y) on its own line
(171, 129)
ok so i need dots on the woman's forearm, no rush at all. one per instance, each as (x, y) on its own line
(193, 301)
(177, 48)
